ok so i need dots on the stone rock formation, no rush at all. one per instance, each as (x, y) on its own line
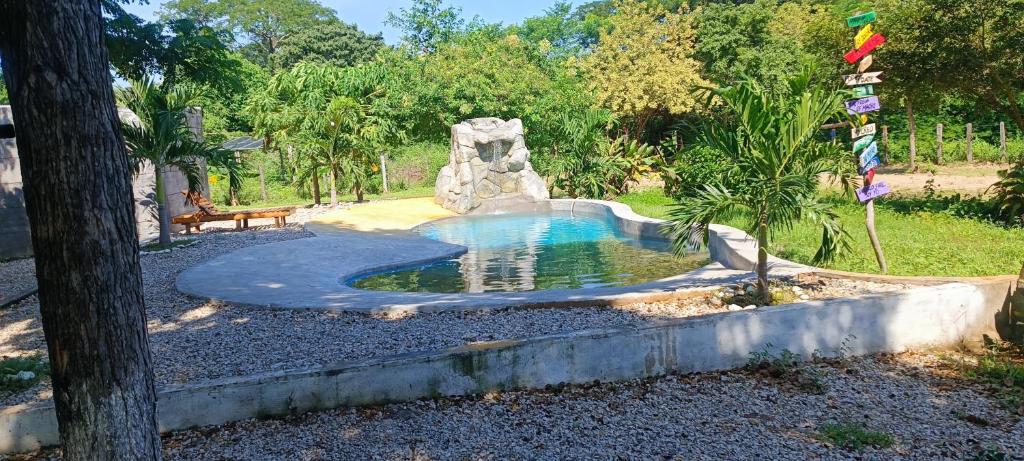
(488, 160)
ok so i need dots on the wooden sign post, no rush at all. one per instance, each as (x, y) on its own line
(865, 148)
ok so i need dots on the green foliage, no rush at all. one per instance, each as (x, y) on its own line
(1009, 193)
(335, 43)
(258, 26)
(427, 24)
(693, 168)
(776, 161)
(416, 165)
(854, 436)
(788, 367)
(4, 99)
(9, 368)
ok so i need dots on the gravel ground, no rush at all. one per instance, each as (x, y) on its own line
(735, 415)
(194, 340)
(16, 276)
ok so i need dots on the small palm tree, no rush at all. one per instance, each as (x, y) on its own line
(161, 137)
(776, 162)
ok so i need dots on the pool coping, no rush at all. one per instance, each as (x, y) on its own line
(310, 273)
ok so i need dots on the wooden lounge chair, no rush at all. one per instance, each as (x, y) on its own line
(208, 213)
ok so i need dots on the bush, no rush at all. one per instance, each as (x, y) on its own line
(416, 165)
(954, 150)
(695, 167)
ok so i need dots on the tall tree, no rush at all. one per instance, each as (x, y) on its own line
(427, 24)
(259, 26)
(78, 193)
(335, 43)
(645, 65)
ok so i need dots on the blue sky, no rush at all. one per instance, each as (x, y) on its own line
(369, 15)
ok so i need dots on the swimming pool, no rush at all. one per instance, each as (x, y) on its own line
(534, 251)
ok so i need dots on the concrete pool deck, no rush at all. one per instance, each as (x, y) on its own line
(310, 273)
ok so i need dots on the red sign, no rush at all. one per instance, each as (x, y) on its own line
(875, 41)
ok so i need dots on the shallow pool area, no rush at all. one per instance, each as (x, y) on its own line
(534, 251)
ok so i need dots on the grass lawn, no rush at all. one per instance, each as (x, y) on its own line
(425, 191)
(918, 243)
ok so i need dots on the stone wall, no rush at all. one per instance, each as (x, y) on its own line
(488, 160)
(15, 235)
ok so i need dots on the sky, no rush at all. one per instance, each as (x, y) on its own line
(369, 15)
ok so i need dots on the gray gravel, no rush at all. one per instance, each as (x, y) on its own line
(16, 276)
(710, 416)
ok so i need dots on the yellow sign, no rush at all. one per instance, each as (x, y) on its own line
(863, 36)
(863, 119)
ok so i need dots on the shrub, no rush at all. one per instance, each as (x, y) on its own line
(695, 167)
(854, 436)
(416, 165)
(1009, 194)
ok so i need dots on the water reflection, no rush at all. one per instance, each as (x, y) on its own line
(528, 252)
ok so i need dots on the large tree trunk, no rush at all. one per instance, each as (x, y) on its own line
(316, 188)
(912, 127)
(78, 192)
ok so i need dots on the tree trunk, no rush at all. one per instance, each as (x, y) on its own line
(358, 189)
(762, 261)
(161, 206)
(334, 187)
(912, 127)
(263, 182)
(78, 193)
(316, 188)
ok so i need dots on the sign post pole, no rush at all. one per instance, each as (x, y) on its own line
(865, 148)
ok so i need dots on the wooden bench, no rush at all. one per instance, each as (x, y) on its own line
(208, 213)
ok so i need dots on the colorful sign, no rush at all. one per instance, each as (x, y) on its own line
(863, 36)
(863, 91)
(855, 55)
(871, 165)
(865, 130)
(864, 105)
(869, 154)
(872, 191)
(862, 19)
(869, 177)
(863, 143)
(862, 79)
(865, 63)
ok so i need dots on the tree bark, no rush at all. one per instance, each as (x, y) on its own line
(316, 188)
(78, 193)
(263, 182)
(912, 127)
(762, 261)
(334, 187)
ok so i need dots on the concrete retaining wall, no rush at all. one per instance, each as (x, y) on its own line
(889, 322)
(15, 234)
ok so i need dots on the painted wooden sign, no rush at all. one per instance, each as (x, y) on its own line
(862, 19)
(863, 91)
(863, 36)
(865, 130)
(862, 79)
(863, 119)
(872, 192)
(863, 105)
(869, 154)
(855, 55)
(869, 177)
(865, 63)
(863, 143)
(871, 165)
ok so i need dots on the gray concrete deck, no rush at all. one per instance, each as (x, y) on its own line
(310, 273)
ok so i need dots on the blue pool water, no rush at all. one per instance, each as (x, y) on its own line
(535, 251)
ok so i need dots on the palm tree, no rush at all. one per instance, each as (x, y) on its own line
(161, 137)
(776, 166)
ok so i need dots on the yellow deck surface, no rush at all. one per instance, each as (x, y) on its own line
(386, 215)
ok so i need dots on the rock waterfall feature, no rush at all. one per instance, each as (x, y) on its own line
(488, 160)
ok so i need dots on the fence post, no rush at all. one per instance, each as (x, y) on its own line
(1002, 142)
(885, 141)
(938, 143)
(970, 143)
(384, 170)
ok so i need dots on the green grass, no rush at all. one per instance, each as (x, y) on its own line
(10, 367)
(855, 436)
(156, 246)
(915, 242)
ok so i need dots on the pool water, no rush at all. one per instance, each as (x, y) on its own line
(528, 252)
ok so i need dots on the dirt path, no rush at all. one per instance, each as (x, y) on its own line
(965, 179)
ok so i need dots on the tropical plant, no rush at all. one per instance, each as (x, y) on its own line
(1009, 193)
(161, 138)
(777, 162)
